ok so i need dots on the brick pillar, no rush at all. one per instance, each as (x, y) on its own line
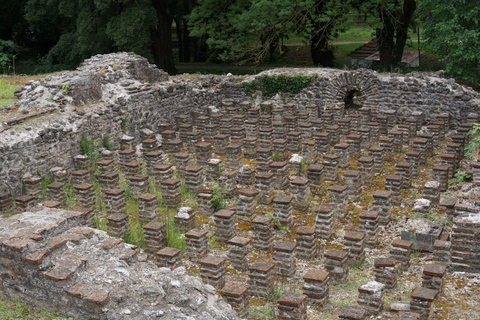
(262, 232)
(387, 144)
(251, 127)
(263, 184)
(282, 210)
(214, 170)
(291, 123)
(300, 192)
(280, 148)
(285, 259)
(386, 272)
(429, 138)
(365, 138)
(203, 152)
(139, 184)
(237, 134)
(215, 119)
(279, 130)
(420, 144)
(264, 159)
(210, 130)
(6, 201)
(238, 120)
(131, 169)
(367, 167)
(182, 161)
(78, 177)
(353, 181)
(148, 209)
(316, 286)
(246, 176)
(352, 313)
(330, 164)
(250, 145)
(162, 172)
(383, 124)
(306, 243)
(370, 296)
(448, 160)
(431, 191)
(197, 244)
(327, 119)
(343, 151)
(397, 136)
(414, 157)
(281, 175)
(278, 114)
(336, 263)
(234, 156)
(355, 123)
(265, 137)
(225, 125)
(292, 306)
(225, 225)
(422, 302)
(193, 179)
(442, 252)
(368, 224)
(80, 161)
(324, 222)
(24, 202)
(355, 142)
(155, 236)
(382, 203)
(237, 255)
(246, 205)
(306, 128)
(377, 155)
(55, 192)
(212, 271)
(260, 278)
(344, 126)
(322, 140)
(126, 156)
(294, 141)
(114, 200)
(220, 144)
(117, 225)
(316, 176)
(394, 184)
(374, 131)
(401, 251)
(153, 158)
(404, 169)
(433, 276)
(334, 133)
(85, 195)
(338, 198)
(171, 194)
(309, 152)
(105, 165)
(184, 220)
(355, 245)
(236, 295)
(169, 258)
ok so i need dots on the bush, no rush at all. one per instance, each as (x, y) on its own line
(271, 85)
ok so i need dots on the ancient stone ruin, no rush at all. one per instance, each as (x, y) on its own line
(194, 200)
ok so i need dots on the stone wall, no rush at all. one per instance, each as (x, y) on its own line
(48, 259)
(121, 93)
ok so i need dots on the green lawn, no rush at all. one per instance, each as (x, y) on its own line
(14, 310)
(6, 91)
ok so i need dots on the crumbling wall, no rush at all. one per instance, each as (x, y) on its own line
(48, 259)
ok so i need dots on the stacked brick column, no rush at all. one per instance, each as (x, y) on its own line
(285, 260)
(414, 157)
(367, 168)
(336, 263)
(386, 272)
(263, 184)
(85, 195)
(236, 295)
(184, 220)
(355, 245)
(382, 203)
(148, 209)
(324, 222)
(237, 255)
(246, 205)
(155, 236)
(330, 164)
(117, 225)
(401, 251)
(422, 302)
(353, 181)
(300, 192)
(377, 155)
(212, 271)
(197, 244)
(433, 276)
(316, 286)
(264, 159)
(171, 194)
(338, 197)
(260, 275)
(368, 224)
(282, 210)
(55, 192)
(404, 169)
(114, 200)
(306, 243)
(292, 306)
(370, 296)
(225, 225)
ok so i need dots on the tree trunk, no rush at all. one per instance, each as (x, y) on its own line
(321, 54)
(385, 36)
(409, 7)
(162, 35)
(187, 42)
(180, 39)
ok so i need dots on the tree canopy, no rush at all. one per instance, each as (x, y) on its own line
(452, 29)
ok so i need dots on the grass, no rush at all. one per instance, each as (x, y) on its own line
(14, 310)
(6, 91)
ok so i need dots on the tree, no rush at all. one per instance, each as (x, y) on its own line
(391, 18)
(452, 29)
(244, 30)
(102, 26)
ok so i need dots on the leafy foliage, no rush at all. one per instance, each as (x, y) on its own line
(452, 29)
(271, 85)
(473, 146)
(7, 51)
(462, 177)
(218, 196)
(106, 142)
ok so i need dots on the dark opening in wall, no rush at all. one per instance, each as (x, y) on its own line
(353, 99)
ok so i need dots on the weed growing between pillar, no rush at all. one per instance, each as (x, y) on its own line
(473, 146)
